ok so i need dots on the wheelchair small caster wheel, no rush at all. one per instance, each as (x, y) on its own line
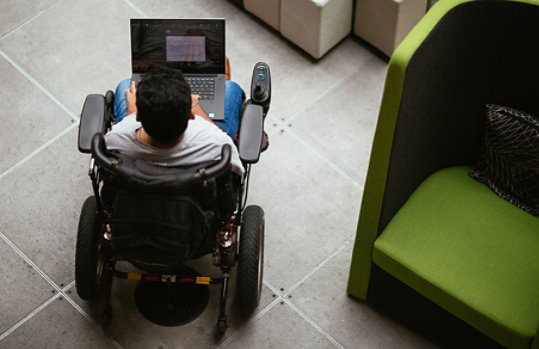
(222, 326)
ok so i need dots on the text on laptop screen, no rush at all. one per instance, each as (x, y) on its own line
(186, 49)
(193, 46)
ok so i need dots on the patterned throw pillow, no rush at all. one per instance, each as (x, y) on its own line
(509, 160)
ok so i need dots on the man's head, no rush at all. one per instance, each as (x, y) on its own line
(163, 104)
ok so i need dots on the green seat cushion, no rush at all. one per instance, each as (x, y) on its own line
(471, 252)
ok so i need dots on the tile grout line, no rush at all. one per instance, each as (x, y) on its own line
(30, 262)
(68, 286)
(250, 322)
(272, 288)
(313, 149)
(29, 316)
(331, 88)
(281, 298)
(40, 272)
(256, 317)
(314, 324)
(320, 265)
(38, 85)
(134, 7)
(36, 151)
(89, 318)
(29, 20)
(61, 293)
(305, 277)
(46, 93)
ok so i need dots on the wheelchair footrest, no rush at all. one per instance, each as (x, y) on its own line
(169, 278)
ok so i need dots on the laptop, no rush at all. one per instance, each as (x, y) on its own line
(194, 46)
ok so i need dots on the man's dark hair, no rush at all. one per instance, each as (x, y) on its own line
(164, 104)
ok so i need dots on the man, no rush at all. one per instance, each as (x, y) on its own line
(159, 121)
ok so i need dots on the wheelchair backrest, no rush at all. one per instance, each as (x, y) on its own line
(160, 216)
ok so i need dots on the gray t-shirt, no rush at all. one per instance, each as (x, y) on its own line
(202, 141)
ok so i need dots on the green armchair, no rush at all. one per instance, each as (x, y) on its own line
(424, 221)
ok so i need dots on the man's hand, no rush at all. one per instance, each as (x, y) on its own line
(131, 95)
(196, 108)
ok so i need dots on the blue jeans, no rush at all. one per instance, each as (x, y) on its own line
(234, 97)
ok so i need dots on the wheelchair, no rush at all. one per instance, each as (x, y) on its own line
(158, 218)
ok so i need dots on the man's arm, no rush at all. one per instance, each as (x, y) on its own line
(131, 96)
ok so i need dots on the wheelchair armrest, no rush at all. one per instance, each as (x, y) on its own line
(92, 121)
(251, 133)
(100, 153)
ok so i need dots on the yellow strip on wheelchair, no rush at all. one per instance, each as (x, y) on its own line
(134, 276)
(200, 280)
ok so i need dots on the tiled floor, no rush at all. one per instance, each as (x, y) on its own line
(310, 181)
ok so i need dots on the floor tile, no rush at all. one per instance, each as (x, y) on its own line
(29, 107)
(15, 12)
(87, 51)
(281, 328)
(310, 208)
(23, 288)
(351, 322)
(58, 325)
(41, 202)
(129, 327)
(341, 124)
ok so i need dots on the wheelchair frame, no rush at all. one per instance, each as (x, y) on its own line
(96, 119)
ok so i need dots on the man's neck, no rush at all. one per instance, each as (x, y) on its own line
(145, 138)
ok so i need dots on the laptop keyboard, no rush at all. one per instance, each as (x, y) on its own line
(204, 87)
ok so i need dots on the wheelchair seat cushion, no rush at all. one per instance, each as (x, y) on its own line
(158, 232)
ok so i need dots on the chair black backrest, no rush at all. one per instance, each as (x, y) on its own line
(480, 52)
(161, 217)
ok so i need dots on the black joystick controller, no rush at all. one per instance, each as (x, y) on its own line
(259, 92)
(261, 86)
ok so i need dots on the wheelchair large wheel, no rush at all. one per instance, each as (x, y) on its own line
(90, 262)
(250, 259)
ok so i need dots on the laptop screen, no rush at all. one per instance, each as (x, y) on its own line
(196, 46)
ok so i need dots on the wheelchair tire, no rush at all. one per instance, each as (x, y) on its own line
(87, 256)
(250, 259)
